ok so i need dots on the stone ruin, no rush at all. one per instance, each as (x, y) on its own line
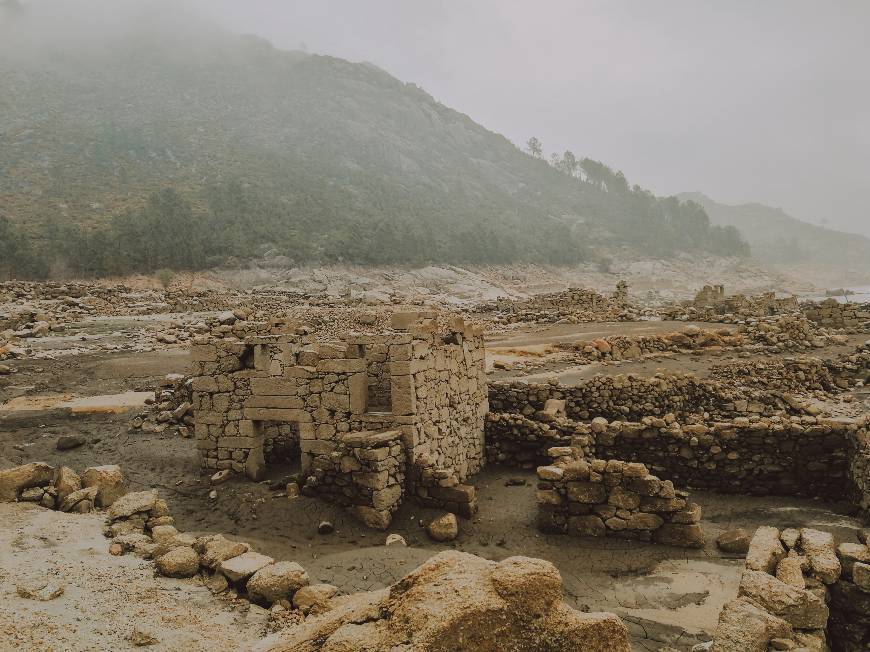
(370, 419)
(711, 303)
(832, 313)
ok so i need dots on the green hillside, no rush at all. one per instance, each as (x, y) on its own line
(776, 237)
(192, 147)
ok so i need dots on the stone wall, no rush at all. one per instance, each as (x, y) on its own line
(366, 471)
(849, 623)
(518, 441)
(574, 305)
(775, 456)
(859, 466)
(830, 312)
(632, 397)
(594, 497)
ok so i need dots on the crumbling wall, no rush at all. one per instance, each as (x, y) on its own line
(434, 373)
(366, 471)
(594, 497)
(834, 314)
(775, 456)
(782, 601)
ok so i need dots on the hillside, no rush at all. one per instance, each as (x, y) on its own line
(778, 238)
(192, 147)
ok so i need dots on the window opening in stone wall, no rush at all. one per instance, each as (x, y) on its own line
(378, 390)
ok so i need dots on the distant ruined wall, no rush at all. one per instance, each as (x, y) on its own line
(833, 314)
(631, 397)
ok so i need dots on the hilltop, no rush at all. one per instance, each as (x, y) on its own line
(192, 147)
(780, 239)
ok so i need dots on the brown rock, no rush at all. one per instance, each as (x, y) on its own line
(683, 536)
(734, 541)
(14, 480)
(178, 562)
(109, 482)
(443, 528)
(276, 581)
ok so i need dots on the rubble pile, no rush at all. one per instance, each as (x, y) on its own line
(711, 305)
(787, 333)
(62, 488)
(172, 407)
(571, 306)
(798, 591)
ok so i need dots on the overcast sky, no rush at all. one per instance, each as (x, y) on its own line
(744, 100)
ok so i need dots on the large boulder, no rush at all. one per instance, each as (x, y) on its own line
(239, 569)
(276, 581)
(13, 481)
(314, 598)
(178, 562)
(744, 626)
(456, 601)
(765, 550)
(799, 607)
(66, 482)
(822, 552)
(133, 503)
(109, 481)
(215, 549)
(734, 542)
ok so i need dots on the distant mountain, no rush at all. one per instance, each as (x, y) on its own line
(776, 237)
(189, 146)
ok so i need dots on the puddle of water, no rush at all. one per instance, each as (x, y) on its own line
(685, 593)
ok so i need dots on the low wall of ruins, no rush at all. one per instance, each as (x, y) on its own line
(834, 314)
(366, 472)
(800, 457)
(804, 456)
(631, 397)
(593, 497)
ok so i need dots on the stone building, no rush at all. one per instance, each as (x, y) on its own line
(369, 418)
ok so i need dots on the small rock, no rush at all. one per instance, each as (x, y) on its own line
(116, 549)
(42, 590)
(443, 528)
(68, 442)
(325, 527)
(139, 638)
(292, 490)
(212, 494)
(221, 476)
(396, 540)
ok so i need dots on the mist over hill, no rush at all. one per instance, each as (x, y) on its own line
(778, 238)
(153, 139)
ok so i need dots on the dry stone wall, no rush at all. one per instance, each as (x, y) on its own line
(831, 313)
(775, 456)
(366, 472)
(594, 497)
(632, 397)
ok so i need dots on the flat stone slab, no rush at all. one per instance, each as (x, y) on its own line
(238, 569)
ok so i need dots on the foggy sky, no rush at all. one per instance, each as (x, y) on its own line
(744, 100)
